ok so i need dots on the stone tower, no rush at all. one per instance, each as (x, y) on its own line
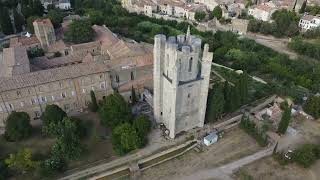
(181, 75)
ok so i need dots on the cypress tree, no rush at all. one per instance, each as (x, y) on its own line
(285, 120)
(5, 21)
(227, 97)
(94, 105)
(303, 7)
(235, 97)
(243, 87)
(133, 96)
(18, 21)
(215, 103)
(37, 8)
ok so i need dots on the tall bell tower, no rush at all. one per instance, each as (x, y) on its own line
(181, 77)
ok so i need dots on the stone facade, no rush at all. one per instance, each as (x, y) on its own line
(180, 87)
(104, 65)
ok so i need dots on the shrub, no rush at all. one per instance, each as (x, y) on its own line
(17, 126)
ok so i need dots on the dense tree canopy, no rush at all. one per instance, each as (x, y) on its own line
(115, 110)
(285, 23)
(5, 21)
(199, 15)
(30, 21)
(79, 31)
(312, 106)
(305, 48)
(125, 139)
(52, 118)
(21, 161)
(142, 126)
(18, 126)
(307, 154)
(18, 21)
(217, 12)
(56, 17)
(68, 144)
(215, 103)
(285, 120)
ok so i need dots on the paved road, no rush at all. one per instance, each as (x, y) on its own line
(224, 172)
(228, 68)
(277, 44)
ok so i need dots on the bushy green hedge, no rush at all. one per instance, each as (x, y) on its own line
(252, 130)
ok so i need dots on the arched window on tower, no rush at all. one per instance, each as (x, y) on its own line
(190, 64)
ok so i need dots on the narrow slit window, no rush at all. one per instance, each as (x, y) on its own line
(190, 64)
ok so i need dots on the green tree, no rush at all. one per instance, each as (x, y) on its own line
(22, 161)
(115, 110)
(227, 97)
(80, 31)
(312, 106)
(306, 155)
(235, 97)
(303, 7)
(51, 120)
(4, 171)
(142, 125)
(5, 21)
(68, 144)
(30, 21)
(243, 83)
(93, 105)
(17, 126)
(215, 103)
(56, 17)
(18, 20)
(125, 139)
(199, 15)
(285, 120)
(55, 163)
(37, 8)
(217, 12)
(96, 17)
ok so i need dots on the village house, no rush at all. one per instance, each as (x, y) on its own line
(61, 4)
(308, 22)
(263, 11)
(165, 8)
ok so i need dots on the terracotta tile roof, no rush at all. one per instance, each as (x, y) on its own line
(138, 83)
(265, 7)
(104, 36)
(308, 17)
(129, 62)
(57, 46)
(43, 21)
(51, 75)
(141, 3)
(15, 56)
(45, 63)
(24, 41)
(125, 49)
(79, 47)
